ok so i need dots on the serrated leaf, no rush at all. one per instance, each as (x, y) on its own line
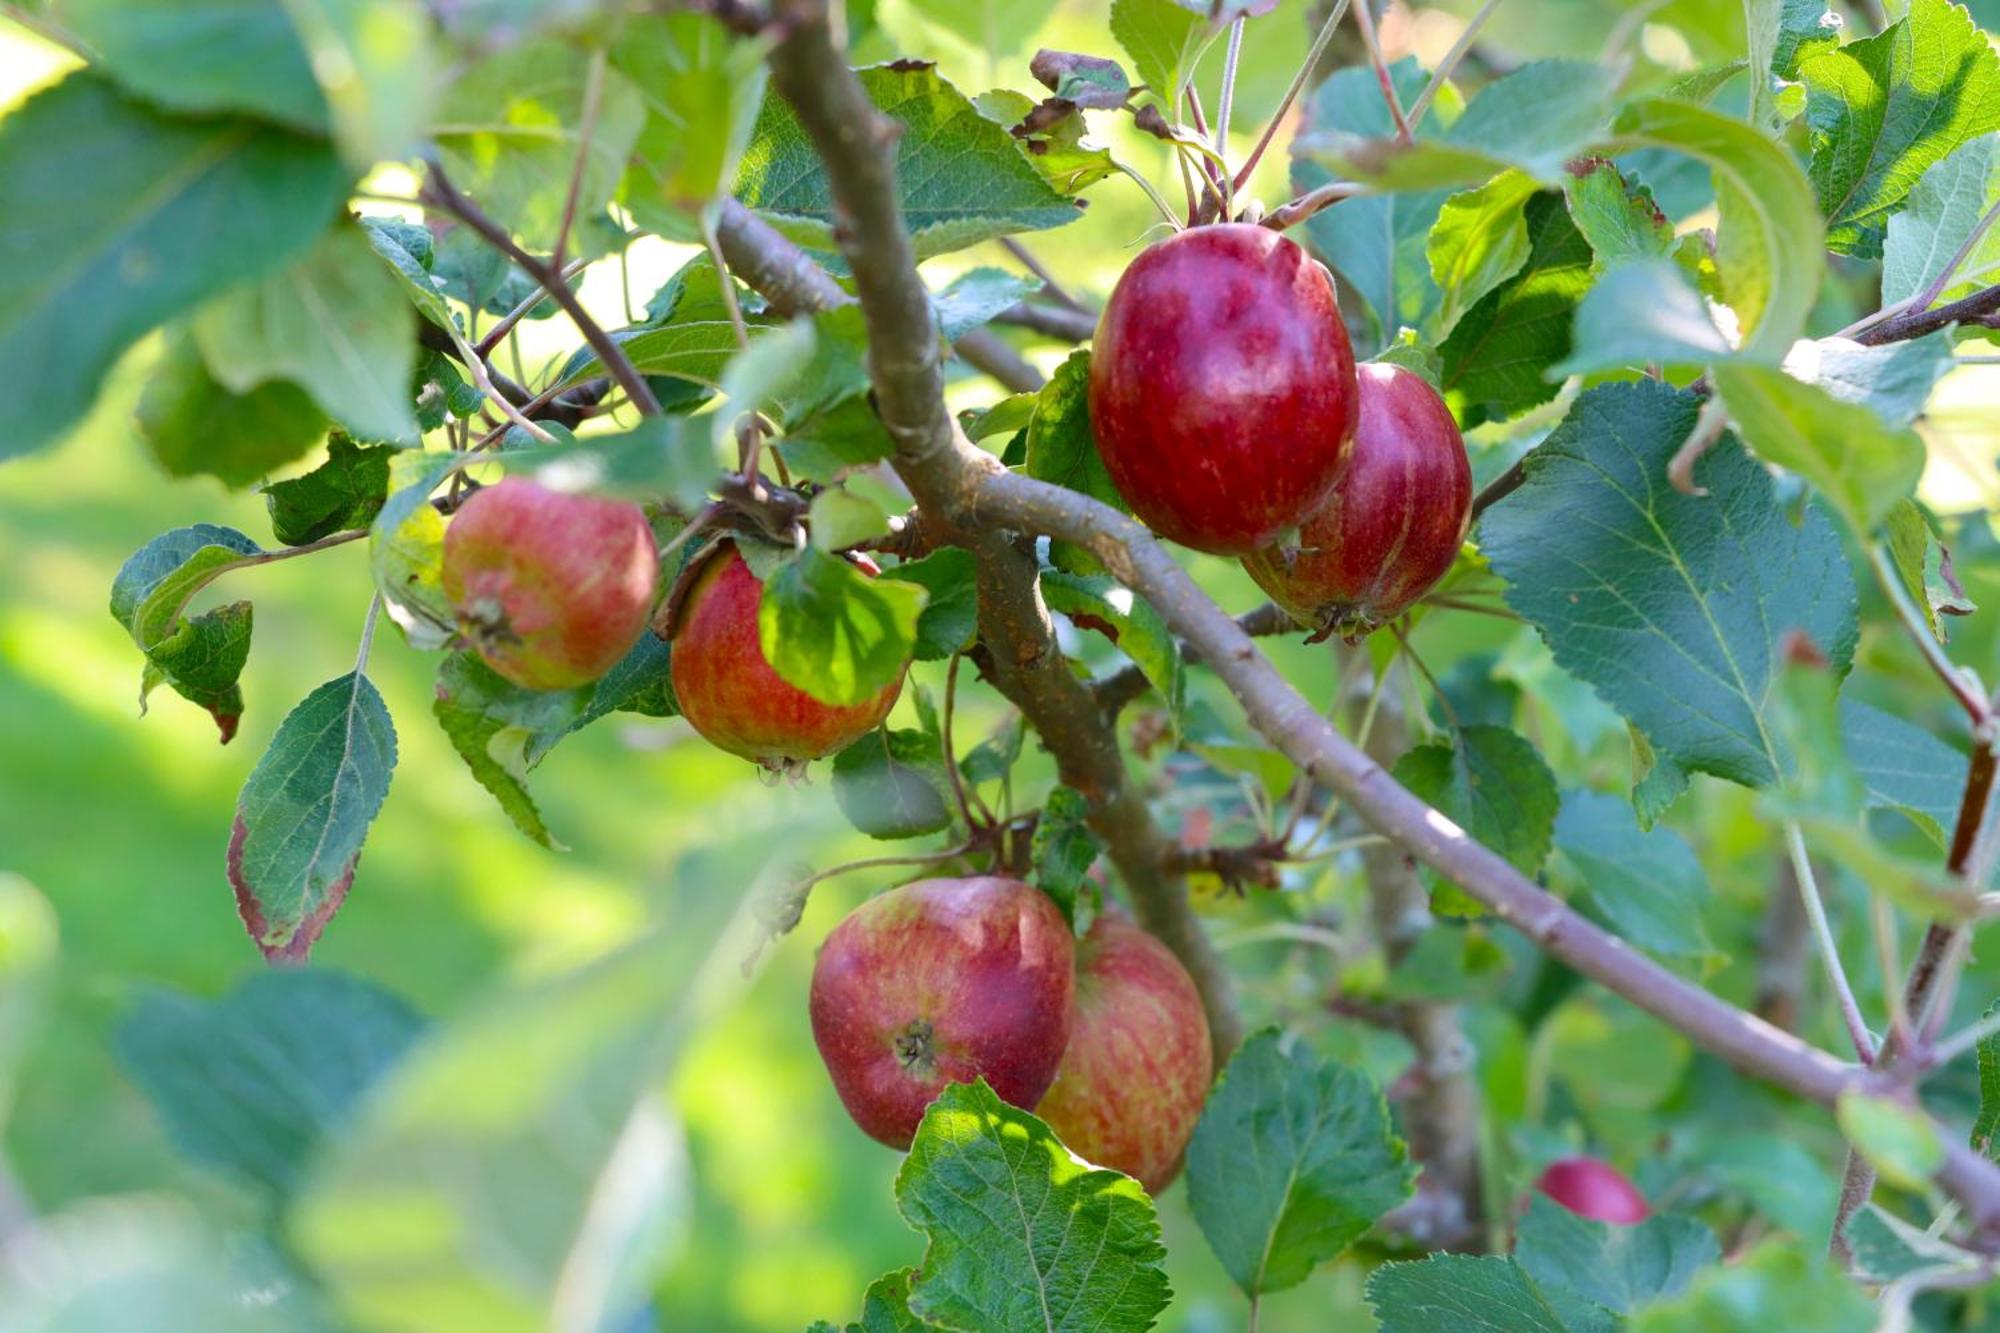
(1496, 360)
(1480, 240)
(342, 493)
(951, 611)
(893, 784)
(508, 131)
(701, 88)
(1163, 39)
(304, 813)
(1618, 1267)
(1671, 606)
(1493, 784)
(1648, 884)
(1062, 853)
(336, 323)
(1020, 1233)
(1642, 312)
(154, 586)
(1292, 1162)
(1062, 449)
(253, 1082)
(1883, 109)
(1944, 207)
(1860, 465)
(1778, 1284)
(408, 250)
(195, 427)
(502, 731)
(202, 661)
(642, 682)
(962, 178)
(885, 1308)
(689, 337)
(974, 297)
(1474, 1294)
(1138, 630)
(835, 633)
(994, 758)
(1616, 215)
(183, 209)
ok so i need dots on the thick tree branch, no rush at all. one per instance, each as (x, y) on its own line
(941, 470)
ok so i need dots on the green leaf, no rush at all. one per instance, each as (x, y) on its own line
(951, 611)
(1945, 205)
(835, 633)
(304, 813)
(1768, 242)
(1480, 241)
(502, 731)
(1900, 1141)
(1616, 215)
(406, 549)
(519, 1171)
(1894, 381)
(701, 88)
(996, 28)
(253, 1082)
(1886, 1247)
(1379, 242)
(1671, 606)
(508, 131)
(974, 297)
(994, 758)
(1642, 312)
(1010, 414)
(1908, 537)
(642, 682)
(1617, 1267)
(687, 335)
(885, 1308)
(202, 661)
(1986, 1128)
(1164, 39)
(335, 323)
(180, 208)
(1860, 465)
(1131, 622)
(409, 252)
(154, 586)
(1648, 884)
(661, 456)
(195, 427)
(1473, 1294)
(1062, 853)
(1062, 449)
(374, 61)
(343, 493)
(962, 179)
(893, 784)
(1903, 767)
(1496, 360)
(1883, 109)
(1020, 1233)
(1493, 784)
(1777, 1285)
(1291, 1163)
(1805, 27)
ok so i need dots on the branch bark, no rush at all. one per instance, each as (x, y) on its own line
(1982, 307)
(942, 471)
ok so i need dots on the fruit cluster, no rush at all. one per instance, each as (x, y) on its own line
(1230, 414)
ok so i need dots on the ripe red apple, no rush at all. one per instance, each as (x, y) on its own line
(732, 695)
(1394, 522)
(1222, 387)
(1137, 1070)
(1594, 1189)
(551, 589)
(943, 981)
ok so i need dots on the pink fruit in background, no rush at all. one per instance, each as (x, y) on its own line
(1222, 387)
(731, 694)
(943, 981)
(552, 590)
(1395, 520)
(1594, 1189)
(1137, 1070)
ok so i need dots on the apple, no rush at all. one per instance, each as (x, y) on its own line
(551, 589)
(1595, 1189)
(943, 981)
(730, 693)
(1392, 526)
(1136, 1073)
(1222, 387)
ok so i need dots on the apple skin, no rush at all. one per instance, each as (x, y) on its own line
(1222, 387)
(552, 590)
(733, 697)
(1394, 523)
(938, 982)
(1594, 1189)
(1138, 1067)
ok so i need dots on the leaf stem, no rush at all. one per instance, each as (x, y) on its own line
(1318, 48)
(1442, 74)
(368, 633)
(1364, 21)
(1829, 950)
(1229, 60)
(593, 98)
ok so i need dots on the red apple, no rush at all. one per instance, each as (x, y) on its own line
(943, 981)
(731, 694)
(1393, 524)
(1222, 387)
(1137, 1070)
(551, 589)
(1594, 1189)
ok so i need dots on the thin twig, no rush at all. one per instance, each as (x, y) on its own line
(1975, 703)
(1442, 74)
(1050, 287)
(1883, 917)
(1950, 1048)
(593, 97)
(1318, 48)
(1229, 59)
(958, 790)
(493, 336)
(1365, 22)
(1829, 949)
(482, 375)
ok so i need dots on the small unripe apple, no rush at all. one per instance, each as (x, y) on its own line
(1394, 522)
(730, 693)
(551, 589)
(1594, 1189)
(1222, 387)
(938, 982)
(1137, 1070)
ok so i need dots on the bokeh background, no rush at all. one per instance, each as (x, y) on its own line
(121, 820)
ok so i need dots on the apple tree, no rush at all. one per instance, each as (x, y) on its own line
(1615, 719)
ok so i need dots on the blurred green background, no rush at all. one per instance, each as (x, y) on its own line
(122, 820)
